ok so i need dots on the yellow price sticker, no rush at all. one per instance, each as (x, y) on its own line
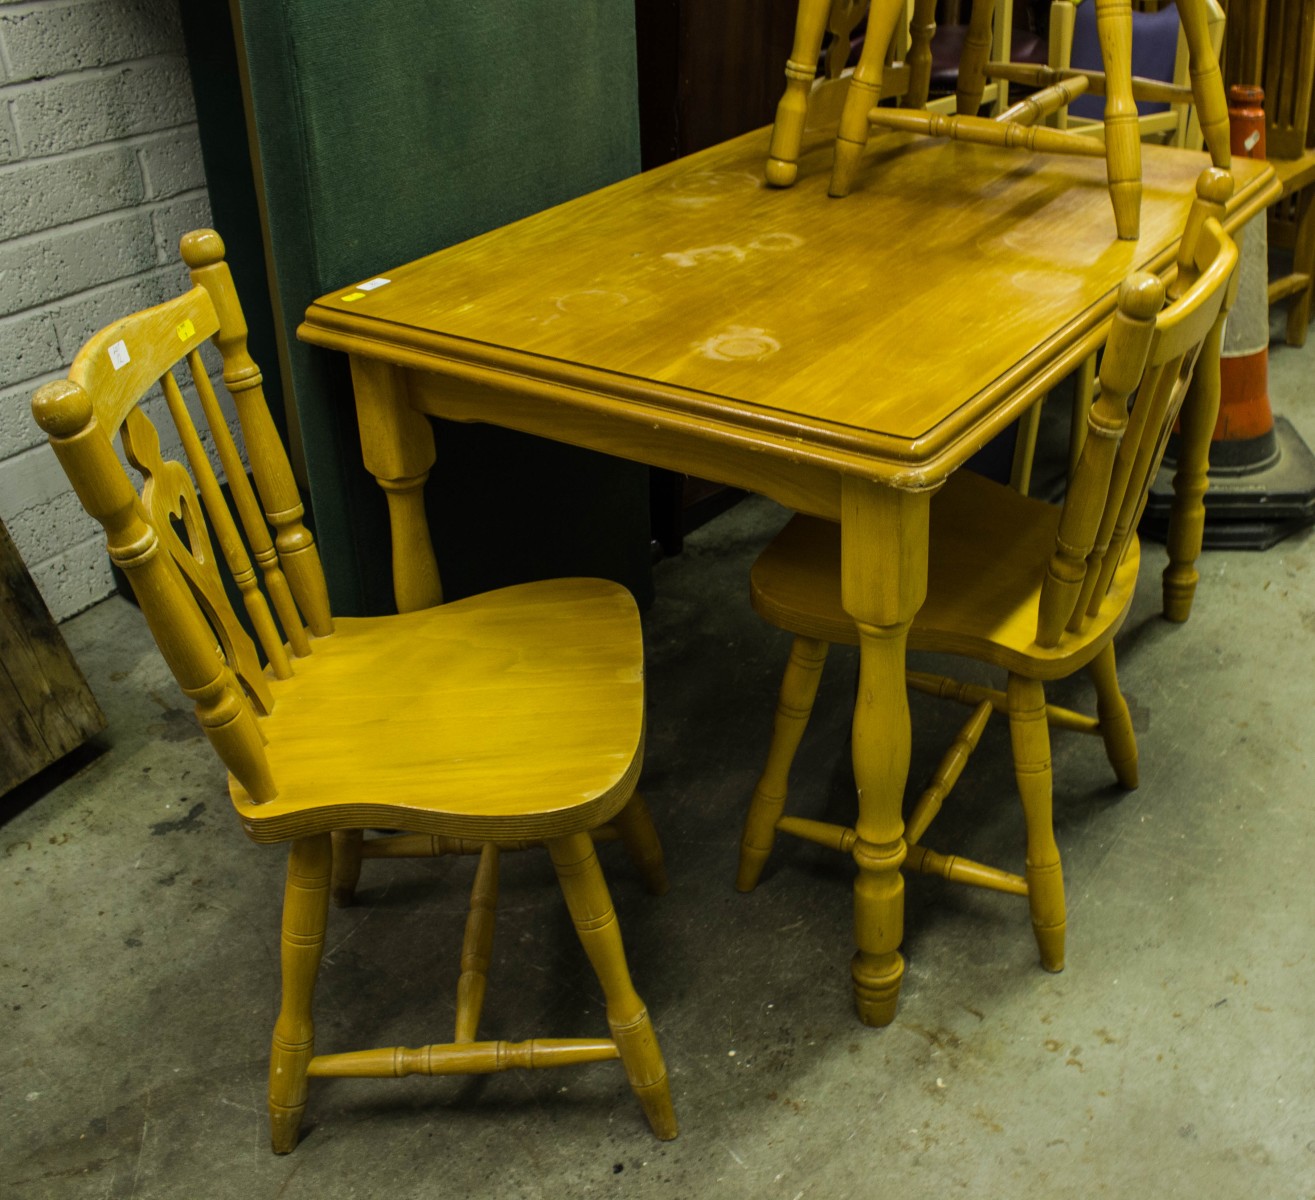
(186, 330)
(347, 299)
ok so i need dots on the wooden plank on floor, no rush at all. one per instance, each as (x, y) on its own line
(46, 708)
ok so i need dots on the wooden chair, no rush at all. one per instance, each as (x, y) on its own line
(1019, 125)
(505, 718)
(1034, 588)
(1282, 59)
(1292, 228)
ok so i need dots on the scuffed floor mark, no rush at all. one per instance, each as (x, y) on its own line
(191, 823)
(175, 724)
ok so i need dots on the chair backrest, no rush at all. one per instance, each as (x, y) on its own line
(160, 537)
(1289, 77)
(1144, 376)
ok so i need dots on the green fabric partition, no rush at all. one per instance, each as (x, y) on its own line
(391, 129)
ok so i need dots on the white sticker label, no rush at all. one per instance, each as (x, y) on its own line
(119, 355)
(1251, 139)
(370, 284)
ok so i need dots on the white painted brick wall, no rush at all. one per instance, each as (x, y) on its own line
(100, 173)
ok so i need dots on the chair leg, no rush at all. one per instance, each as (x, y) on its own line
(635, 825)
(305, 913)
(1084, 393)
(595, 921)
(792, 110)
(1020, 470)
(1115, 720)
(863, 92)
(477, 945)
(346, 865)
(1303, 262)
(972, 62)
(793, 708)
(1030, 737)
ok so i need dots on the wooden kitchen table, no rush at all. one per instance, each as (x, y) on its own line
(841, 356)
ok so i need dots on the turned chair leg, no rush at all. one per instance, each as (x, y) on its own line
(635, 825)
(1115, 720)
(305, 913)
(477, 945)
(346, 865)
(792, 111)
(863, 92)
(1030, 737)
(595, 921)
(795, 705)
(972, 63)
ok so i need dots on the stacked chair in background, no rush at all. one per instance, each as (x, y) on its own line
(1021, 125)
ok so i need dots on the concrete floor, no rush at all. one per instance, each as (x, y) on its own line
(1173, 1057)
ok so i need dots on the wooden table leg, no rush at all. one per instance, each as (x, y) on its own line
(1187, 515)
(1122, 133)
(883, 583)
(863, 92)
(397, 444)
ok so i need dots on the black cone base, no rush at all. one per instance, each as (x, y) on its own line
(1248, 509)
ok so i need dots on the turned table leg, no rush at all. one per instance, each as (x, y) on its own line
(397, 444)
(883, 583)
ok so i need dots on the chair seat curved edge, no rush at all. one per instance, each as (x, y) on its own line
(513, 714)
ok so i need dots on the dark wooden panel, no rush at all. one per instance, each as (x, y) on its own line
(708, 72)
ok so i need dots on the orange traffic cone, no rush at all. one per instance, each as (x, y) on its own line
(1244, 433)
(1262, 475)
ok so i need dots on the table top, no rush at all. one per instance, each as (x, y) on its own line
(891, 332)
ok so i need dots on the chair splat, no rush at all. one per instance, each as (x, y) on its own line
(203, 252)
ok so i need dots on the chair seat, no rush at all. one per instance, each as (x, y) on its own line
(513, 714)
(983, 582)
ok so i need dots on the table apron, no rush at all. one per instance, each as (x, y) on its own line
(730, 457)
